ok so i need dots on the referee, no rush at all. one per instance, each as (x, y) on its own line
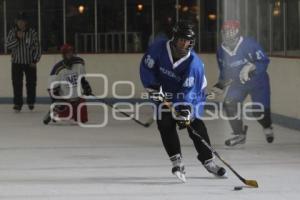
(25, 49)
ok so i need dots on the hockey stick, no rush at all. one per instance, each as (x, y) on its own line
(146, 124)
(252, 183)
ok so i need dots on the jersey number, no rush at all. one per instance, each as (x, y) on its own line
(259, 55)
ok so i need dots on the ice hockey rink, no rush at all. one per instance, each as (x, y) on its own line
(127, 161)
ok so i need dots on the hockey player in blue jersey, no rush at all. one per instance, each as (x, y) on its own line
(170, 70)
(243, 61)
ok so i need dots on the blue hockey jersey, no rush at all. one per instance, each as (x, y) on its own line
(184, 80)
(247, 50)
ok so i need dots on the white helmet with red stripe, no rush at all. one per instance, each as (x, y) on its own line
(67, 52)
(231, 33)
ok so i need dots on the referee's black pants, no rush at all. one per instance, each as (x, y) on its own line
(167, 128)
(17, 80)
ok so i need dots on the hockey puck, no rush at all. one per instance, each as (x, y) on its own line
(238, 188)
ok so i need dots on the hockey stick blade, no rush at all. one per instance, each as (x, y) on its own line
(252, 183)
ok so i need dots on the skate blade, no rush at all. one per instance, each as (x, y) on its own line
(221, 177)
(180, 176)
(270, 138)
(237, 146)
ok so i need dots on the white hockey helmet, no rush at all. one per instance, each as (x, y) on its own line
(230, 33)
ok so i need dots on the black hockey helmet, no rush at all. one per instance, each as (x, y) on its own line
(184, 29)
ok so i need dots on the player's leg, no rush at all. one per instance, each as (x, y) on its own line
(205, 156)
(17, 81)
(63, 111)
(261, 94)
(47, 118)
(233, 107)
(203, 152)
(167, 128)
(31, 78)
(83, 110)
(58, 112)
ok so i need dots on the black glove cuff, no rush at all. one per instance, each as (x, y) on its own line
(86, 86)
(183, 110)
(219, 85)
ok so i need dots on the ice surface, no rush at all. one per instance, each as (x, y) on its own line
(126, 161)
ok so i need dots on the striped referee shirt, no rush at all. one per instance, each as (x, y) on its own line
(26, 50)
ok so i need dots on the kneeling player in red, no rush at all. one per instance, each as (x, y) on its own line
(63, 87)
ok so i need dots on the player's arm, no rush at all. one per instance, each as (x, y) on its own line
(219, 87)
(193, 90)
(12, 40)
(220, 66)
(36, 48)
(54, 85)
(87, 90)
(258, 62)
(193, 87)
(53, 88)
(258, 57)
(149, 73)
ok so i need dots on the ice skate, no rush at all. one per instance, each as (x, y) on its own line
(31, 107)
(47, 119)
(17, 108)
(178, 167)
(238, 139)
(269, 134)
(213, 168)
(179, 172)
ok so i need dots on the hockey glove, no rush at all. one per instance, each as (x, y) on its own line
(218, 89)
(156, 95)
(183, 116)
(87, 90)
(246, 71)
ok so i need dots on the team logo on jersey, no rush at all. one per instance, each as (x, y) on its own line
(239, 63)
(72, 78)
(189, 82)
(169, 74)
(149, 61)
